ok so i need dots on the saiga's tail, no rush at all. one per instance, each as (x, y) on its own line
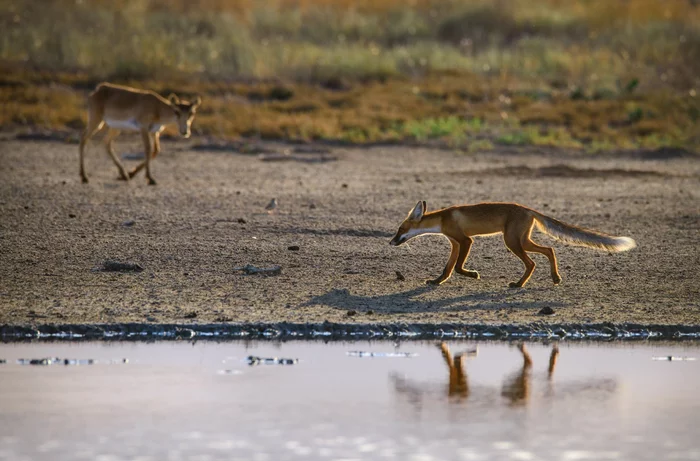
(582, 237)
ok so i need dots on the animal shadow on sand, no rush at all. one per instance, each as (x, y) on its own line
(411, 301)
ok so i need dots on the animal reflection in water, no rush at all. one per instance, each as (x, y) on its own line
(516, 388)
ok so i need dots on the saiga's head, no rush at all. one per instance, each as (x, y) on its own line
(184, 111)
(409, 227)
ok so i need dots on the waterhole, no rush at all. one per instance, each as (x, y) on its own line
(297, 400)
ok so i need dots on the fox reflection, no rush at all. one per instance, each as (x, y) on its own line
(516, 388)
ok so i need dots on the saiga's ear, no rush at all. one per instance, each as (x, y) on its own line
(417, 212)
(173, 99)
(197, 101)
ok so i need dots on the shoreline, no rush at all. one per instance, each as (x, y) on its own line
(350, 332)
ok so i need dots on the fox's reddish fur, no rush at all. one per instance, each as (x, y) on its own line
(460, 223)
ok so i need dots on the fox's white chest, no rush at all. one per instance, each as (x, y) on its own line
(131, 124)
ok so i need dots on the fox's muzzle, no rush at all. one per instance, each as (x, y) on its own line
(397, 240)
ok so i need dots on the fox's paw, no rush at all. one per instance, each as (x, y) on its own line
(556, 279)
(436, 282)
(152, 182)
(514, 285)
(85, 180)
(469, 273)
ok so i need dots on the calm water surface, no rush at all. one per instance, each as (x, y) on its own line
(201, 401)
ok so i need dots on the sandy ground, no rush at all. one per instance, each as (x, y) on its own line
(186, 234)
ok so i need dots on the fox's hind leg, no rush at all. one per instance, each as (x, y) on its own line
(464, 248)
(513, 237)
(529, 245)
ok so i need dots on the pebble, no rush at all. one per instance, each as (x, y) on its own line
(116, 266)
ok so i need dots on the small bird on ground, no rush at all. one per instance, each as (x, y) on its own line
(272, 205)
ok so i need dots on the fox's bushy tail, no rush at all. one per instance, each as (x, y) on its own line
(582, 237)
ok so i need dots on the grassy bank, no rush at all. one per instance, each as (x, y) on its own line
(581, 73)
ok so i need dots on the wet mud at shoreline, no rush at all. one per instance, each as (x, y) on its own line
(351, 332)
(329, 235)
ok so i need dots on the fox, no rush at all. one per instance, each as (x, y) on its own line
(462, 222)
(125, 108)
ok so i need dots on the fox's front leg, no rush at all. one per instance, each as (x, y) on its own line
(447, 272)
(464, 248)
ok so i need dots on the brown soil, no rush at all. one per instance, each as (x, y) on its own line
(207, 217)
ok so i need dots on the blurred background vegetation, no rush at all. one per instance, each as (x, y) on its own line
(593, 74)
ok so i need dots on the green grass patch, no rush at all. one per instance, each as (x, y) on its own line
(577, 74)
(394, 110)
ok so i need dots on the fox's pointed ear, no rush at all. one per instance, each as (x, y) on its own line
(173, 98)
(425, 206)
(197, 101)
(417, 212)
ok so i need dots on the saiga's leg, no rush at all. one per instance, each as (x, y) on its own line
(146, 136)
(156, 151)
(109, 143)
(95, 123)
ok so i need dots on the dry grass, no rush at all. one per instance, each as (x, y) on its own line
(573, 73)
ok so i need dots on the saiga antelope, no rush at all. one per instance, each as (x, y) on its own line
(124, 108)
